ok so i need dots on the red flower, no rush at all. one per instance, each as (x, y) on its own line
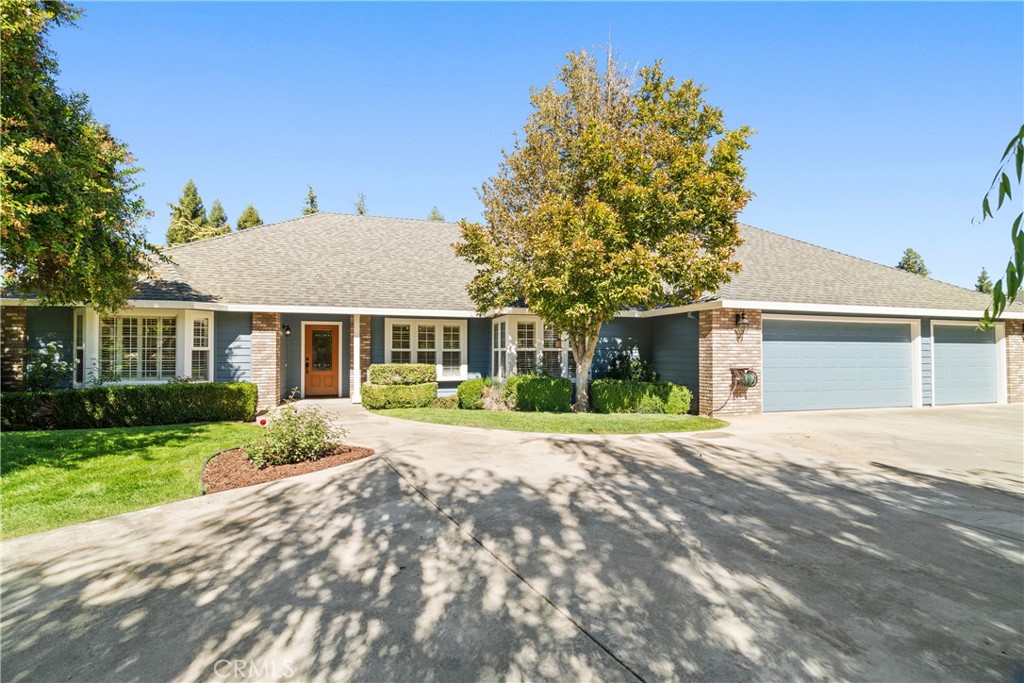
(263, 422)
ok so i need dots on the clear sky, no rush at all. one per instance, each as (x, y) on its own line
(879, 125)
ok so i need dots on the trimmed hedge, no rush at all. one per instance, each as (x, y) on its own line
(539, 393)
(381, 396)
(627, 396)
(445, 402)
(402, 373)
(471, 393)
(128, 406)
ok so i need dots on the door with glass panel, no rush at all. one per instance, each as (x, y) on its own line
(321, 360)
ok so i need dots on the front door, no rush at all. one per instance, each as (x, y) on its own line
(321, 361)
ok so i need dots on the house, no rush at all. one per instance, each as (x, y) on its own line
(306, 305)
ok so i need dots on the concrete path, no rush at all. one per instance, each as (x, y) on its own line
(464, 554)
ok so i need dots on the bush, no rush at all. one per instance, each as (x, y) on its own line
(128, 406)
(626, 396)
(471, 393)
(294, 436)
(625, 366)
(380, 396)
(402, 373)
(45, 368)
(539, 393)
(445, 402)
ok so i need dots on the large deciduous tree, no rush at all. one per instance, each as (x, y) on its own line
(189, 221)
(69, 217)
(250, 218)
(619, 193)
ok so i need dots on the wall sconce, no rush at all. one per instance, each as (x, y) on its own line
(287, 330)
(741, 322)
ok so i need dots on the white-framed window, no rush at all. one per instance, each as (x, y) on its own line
(533, 346)
(499, 349)
(79, 347)
(551, 351)
(200, 348)
(441, 343)
(526, 348)
(138, 347)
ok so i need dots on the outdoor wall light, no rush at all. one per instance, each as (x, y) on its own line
(287, 330)
(741, 321)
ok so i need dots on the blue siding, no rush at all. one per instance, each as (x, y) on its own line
(632, 335)
(291, 350)
(926, 362)
(675, 347)
(47, 324)
(232, 347)
(377, 339)
(479, 351)
(966, 367)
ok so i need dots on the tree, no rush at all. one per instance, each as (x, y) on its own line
(913, 263)
(189, 221)
(69, 219)
(618, 194)
(250, 218)
(360, 204)
(984, 284)
(435, 215)
(218, 219)
(1007, 289)
(311, 206)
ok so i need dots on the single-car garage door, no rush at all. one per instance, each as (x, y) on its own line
(817, 365)
(965, 367)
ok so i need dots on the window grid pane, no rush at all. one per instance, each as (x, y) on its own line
(201, 333)
(400, 337)
(526, 350)
(552, 339)
(108, 346)
(452, 337)
(552, 363)
(427, 357)
(150, 349)
(401, 357)
(425, 337)
(129, 348)
(168, 345)
(451, 362)
(200, 363)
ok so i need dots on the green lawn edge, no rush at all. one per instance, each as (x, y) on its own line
(557, 423)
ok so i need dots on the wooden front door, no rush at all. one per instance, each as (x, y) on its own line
(321, 360)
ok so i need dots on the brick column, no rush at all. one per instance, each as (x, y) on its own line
(723, 347)
(13, 323)
(357, 376)
(266, 358)
(1015, 361)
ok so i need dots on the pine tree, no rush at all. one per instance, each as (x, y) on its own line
(250, 218)
(218, 217)
(435, 215)
(913, 263)
(311, 205)
(360, 204)
(984, 284)
(188, 216)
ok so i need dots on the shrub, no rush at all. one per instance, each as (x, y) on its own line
(495, 398)
(626, 396)
(471, 393)
(294, 436)
(381, 396)
(45, 367)
(445, 402)
(625, 366)
(539, 393)
(402, 373)
(128, 406)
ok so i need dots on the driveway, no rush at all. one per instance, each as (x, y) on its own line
(462, 554)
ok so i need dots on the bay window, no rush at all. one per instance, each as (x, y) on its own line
(526, 348)
(533, 346)
(441, 343)
(499, 349)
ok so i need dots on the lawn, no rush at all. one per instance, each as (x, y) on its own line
(557, 423)
(52, 479)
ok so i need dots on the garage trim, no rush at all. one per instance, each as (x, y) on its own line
(1000, 330)
(915, 340)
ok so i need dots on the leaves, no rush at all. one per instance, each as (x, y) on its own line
(1007, 289)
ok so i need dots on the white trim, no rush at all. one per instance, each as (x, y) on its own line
(1000, 344)
(357, 385)
(863, 310)
(438, 324)
(916, 370)
(302, 352)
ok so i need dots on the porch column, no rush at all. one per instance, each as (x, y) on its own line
(266, 359)
(359, 355)
(13, 324)
(1015, 361)
(726, 346)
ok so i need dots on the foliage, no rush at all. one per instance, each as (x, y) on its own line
(559, 423)
(913, 263)
(471, 393)
(219, 219)
(626, 366)
(69, 219)
(539, 393)
(445, 403)
(189, 221)
(614, 197)
(495, 397)
(311, 206)
(360, 204)
(378, 396)
(250, 218)
(128, 406)
(55, 478)
(984, 283)
(1007, 289)
(628, 396)
(402, 373)
(45, 367)
(435, 215)
(294, 435)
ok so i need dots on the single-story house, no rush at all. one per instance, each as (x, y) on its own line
(306, 305)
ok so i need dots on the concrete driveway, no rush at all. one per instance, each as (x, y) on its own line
(463, 554)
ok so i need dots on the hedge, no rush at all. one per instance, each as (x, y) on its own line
(627, 396)
(381, 396)
(128, 406)
(471, 393)
(539, 393)
(402, 373)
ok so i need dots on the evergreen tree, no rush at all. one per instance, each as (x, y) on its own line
(913, 263)
(218, 218)
(250, 218)
(311, 205)
(435, 215)
(188, 216)
(360, 204)
(984, 284)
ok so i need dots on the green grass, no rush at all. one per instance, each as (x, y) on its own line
(52, 479)
(558, 423)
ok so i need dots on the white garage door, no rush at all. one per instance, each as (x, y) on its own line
(965, 365)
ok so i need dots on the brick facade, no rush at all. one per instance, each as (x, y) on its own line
(724, 347)
(13, 324)
(266, 358)
(358, 378)
(1015, 361)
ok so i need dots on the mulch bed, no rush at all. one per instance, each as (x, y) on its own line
(232, 470)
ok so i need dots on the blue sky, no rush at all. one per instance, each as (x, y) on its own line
(879, 125)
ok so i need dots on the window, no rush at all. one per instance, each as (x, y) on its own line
(400, 344)
(499, 351)
(534, 345)
(451, 351)
(426, 344)
(441, 343)
(201, 348)
(551, 359)
(526, 348)
(79, 348)
(138, 347)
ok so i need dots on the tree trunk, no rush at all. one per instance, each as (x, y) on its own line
(583, 349)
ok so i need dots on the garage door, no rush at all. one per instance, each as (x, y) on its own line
(812, 365)
(965, 368)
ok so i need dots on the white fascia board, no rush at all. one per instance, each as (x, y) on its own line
(863, 310)
(314, 310)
